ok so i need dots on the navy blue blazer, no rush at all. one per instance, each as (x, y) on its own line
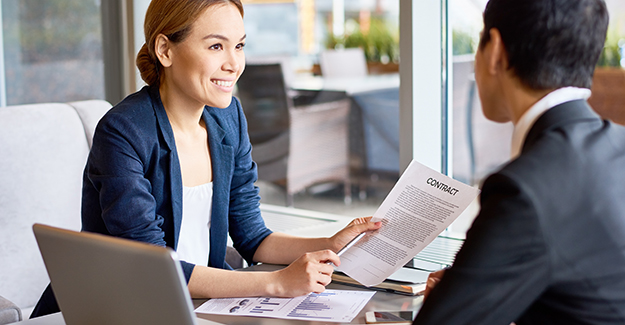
(132, 186)
(548, 246)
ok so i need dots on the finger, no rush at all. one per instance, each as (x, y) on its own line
(437, 274)
(318, 288)
(324, 279)
(430, 284)
(324, 256)
(368, 226)
(334, 259)
(360, 220)
(326, 269)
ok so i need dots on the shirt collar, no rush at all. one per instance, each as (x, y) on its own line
(554, 98)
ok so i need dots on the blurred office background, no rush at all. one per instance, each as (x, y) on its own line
(56, 50)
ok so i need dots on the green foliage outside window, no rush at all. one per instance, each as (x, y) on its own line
(58, 30)
(380, 43)
(462, 42)
(612, 51)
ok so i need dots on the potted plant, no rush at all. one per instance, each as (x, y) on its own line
(608, 87)
(380, 44)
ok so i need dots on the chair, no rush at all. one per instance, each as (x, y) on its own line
(345, 63)
(380, 120)
(44, 149)
(297, 142)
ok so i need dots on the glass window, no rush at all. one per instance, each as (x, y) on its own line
(475, 155)
(608, 96)
(362, 139)
(52, 51)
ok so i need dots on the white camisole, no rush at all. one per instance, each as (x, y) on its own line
(193, 242)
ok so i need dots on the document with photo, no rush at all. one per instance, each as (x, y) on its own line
(419, 207)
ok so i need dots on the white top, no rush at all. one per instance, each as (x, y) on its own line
(554, 98)
(193, 241)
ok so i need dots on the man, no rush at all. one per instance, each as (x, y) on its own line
(548, 246)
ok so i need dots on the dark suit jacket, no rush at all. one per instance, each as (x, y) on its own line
(132, 185)
(548, 246)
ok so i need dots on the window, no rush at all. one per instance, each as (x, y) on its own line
(51, 51)
(421, 123)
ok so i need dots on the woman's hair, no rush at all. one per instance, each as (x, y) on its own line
(172, 18)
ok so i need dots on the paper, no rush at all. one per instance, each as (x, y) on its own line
(328, 306)
(419, 207)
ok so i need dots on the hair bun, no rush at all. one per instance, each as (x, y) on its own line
(147, 66)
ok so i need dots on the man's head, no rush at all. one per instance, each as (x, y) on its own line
(550, 43)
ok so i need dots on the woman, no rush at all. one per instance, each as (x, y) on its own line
(171, 164)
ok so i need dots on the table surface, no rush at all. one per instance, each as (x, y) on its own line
(381, 301)
(306, 223)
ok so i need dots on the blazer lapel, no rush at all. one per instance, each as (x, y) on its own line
(174, 165)
(222, 158)
(557, 116)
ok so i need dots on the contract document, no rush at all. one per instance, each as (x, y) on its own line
(327, 306)
(419, 207)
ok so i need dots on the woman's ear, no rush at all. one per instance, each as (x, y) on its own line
(162, 49)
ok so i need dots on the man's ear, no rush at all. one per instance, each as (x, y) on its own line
(162, 49)
(497, 56)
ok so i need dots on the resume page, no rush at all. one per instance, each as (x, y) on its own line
(419, 207)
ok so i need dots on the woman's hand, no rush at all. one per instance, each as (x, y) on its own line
(309, 273)
(353, 229)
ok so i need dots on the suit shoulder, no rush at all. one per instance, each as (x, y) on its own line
(136, 108)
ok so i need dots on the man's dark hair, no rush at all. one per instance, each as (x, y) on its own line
(550, 43)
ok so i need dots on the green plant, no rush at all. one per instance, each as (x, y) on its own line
(462, 42)
(380, 44)
(48, 33)
(612, 51)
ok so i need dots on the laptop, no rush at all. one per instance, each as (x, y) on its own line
(100, 279)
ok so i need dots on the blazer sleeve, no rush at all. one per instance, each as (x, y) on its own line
(116, 169)
(246, 225)
(502, 267)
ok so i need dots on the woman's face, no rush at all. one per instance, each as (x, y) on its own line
(205, 66)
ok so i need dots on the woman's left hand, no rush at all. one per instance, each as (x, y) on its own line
(353, 229)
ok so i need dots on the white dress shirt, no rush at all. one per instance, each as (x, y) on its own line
(554, 98)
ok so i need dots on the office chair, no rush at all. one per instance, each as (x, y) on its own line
(297, 142)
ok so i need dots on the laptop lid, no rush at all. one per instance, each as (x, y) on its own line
(100, 279)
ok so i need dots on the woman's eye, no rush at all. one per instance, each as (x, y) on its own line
(240, 46)
(216, 47)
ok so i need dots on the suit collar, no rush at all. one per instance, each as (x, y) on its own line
(216, 133)
(558, 116)
(162, 119)
(222, 158)
(529, 117)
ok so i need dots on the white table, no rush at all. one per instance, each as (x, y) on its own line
(351, 86)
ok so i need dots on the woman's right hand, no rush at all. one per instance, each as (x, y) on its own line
(309, 273)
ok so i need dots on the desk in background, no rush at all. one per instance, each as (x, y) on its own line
(351, 86)
(373, 124)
